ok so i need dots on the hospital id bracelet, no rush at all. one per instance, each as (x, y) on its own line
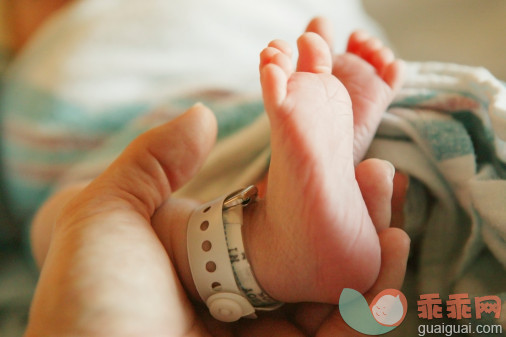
(218, 262)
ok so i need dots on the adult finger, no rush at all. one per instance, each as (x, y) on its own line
(158, 162)
(395, 245)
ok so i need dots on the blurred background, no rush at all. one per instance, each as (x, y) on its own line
(462, 31)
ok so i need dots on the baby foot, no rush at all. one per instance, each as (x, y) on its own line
(312, 235)
(371, 74)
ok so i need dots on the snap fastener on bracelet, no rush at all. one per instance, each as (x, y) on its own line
(228, 307)
(218, 263)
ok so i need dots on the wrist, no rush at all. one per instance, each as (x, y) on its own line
(170, 223)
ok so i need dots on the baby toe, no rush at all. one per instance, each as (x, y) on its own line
(314, 54)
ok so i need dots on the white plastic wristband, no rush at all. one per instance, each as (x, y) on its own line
(218, 263)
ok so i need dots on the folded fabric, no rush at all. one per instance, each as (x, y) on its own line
(447, 129)
(8, 231)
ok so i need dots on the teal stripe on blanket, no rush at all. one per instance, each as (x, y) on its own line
(231, 116)
(27, 103)
(483, 141)
(447, 139)
(427, 97)
(27, 154)
(481, 137)
(5, 55)
(31, 195)
(410, 101)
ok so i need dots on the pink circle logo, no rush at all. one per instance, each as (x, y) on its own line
(389, 307)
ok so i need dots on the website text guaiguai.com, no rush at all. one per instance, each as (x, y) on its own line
(458, 329)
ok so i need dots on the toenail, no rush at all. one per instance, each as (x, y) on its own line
(361, 35)
(322, 70)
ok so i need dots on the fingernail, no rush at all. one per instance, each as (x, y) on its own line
(391, 169)
(199, 105)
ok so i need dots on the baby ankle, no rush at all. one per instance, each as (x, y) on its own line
(219, 264)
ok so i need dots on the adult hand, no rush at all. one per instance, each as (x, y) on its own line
(107, 272)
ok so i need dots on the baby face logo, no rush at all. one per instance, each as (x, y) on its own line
(389, 307)
(386, 312)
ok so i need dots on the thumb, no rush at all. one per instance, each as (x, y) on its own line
(159, 161)
(395, 245)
